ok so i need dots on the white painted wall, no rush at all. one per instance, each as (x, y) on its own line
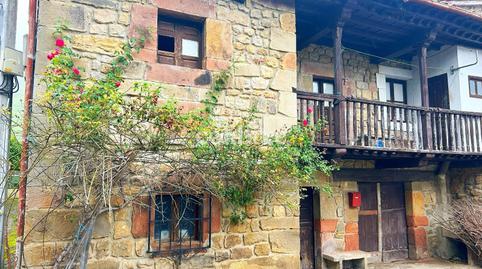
(467, 56)
(440, 62)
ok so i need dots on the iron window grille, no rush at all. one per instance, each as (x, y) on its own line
(179, 223)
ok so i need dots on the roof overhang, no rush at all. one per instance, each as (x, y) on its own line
(387, 28)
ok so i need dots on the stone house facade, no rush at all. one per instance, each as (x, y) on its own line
(258, 40)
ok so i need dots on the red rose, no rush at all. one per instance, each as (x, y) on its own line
(59, 42)
(117, 84)
(305, 122)
(50, 56)
(76, 71)
(310, 110)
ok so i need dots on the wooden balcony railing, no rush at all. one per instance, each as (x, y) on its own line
(383, 125)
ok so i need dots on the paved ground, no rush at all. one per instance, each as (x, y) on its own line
(425, 264)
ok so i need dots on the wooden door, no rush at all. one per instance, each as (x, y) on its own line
(307, 231)
(438, 91)
(368, 217)
(394, 223)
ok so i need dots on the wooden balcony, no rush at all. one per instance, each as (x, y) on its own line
(387, 130)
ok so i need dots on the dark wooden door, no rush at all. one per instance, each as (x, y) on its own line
(394, 223)
(368, 217)
(307, 232)
(438, 91)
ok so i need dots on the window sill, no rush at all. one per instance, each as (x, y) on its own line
(179, 75)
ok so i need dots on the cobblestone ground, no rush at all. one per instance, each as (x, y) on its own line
(425, 264)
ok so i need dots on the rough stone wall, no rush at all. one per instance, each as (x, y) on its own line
(256, 39)
(466, 183)
(360, 74)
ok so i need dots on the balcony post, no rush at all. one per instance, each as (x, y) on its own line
(426, 122)
(339, 104)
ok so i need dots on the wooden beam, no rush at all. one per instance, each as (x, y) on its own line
(340, 90)
(383, 175)
(426, 123)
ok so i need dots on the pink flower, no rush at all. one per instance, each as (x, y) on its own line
(60, 42)
(56, 52)
(117, 84)
(76, 70)
(305, 122)
(310, 110)
(50, 56)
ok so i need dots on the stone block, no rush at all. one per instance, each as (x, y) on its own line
(415, 221)
(289, 61)
(111, 4)
(287, 104)
(39, 222)
(102, 248)
(279, 223)
(238, 228)
(108, 263)
(285, 241)
(217, 241)
(262, 249)
(326, 225)
(253, 238)
(50, 13)
(145, 17)
(122, 248)
(318, 69)
(232, 240)
(352, 242)
(198, 8)
(42, 198)
(351, 214)
(96, 44)
(415, 203)
(275, 261)
(42, 254)
(102, 226)
(351, 227)
(275, 124)
(105, 15)
(288, 22)
(220, 256)
(140, 218)
(218, 39)
(284, 80)
(241, 253)
(164, 263)
(282, 41)
(121, 229)
(246, 70)
(141, 247)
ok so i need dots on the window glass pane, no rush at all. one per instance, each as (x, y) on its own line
(479, 87)
(398, 92)
(389, 93)
(472, 87)
(165, 43)
(190, 212)
(316, 87)
(190, 48)
(328, 88)
(162, 217)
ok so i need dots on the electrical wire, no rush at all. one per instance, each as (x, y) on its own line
(390, 60)
(9, 85)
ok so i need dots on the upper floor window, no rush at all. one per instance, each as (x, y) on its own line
(179, 41)
(396, 91)
(475, 86)
(179, 223)
(322, 85)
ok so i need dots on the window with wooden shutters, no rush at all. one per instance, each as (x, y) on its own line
(179, 41)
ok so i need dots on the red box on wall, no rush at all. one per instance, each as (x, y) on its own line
(355, 199)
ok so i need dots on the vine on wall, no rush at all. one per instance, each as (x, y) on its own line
(101, 127)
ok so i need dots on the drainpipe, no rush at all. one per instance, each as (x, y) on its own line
(29, 84)
(453, 69)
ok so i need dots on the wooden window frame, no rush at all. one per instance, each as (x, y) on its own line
(320, 81)
(392, 81)
(200, 240)
(476, 95)
(180, 28)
